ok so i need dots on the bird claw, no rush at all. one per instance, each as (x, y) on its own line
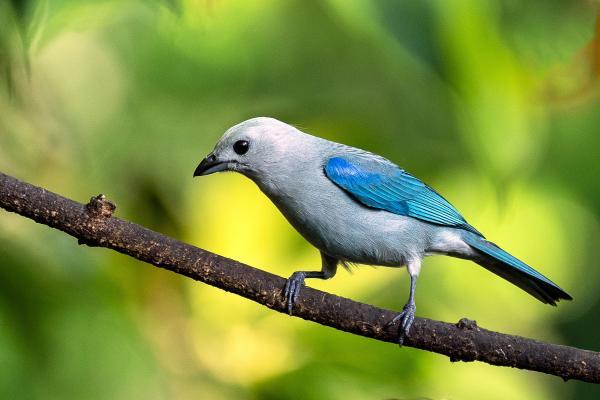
(292, 289)
(406, 318)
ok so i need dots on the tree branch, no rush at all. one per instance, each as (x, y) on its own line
(93, 224)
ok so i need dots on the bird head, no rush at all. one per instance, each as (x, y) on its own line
(251, 147)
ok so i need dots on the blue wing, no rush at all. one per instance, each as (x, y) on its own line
(378, 183)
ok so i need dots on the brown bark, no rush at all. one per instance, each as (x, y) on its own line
(94, 225)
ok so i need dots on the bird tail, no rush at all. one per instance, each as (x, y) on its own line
(501, 263)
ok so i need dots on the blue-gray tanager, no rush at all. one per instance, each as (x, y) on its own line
(358, 207)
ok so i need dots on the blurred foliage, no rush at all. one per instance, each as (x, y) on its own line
(495, 103)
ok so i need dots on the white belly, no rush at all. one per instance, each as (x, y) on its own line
(341, 227)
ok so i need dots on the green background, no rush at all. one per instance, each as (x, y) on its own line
(494, 103)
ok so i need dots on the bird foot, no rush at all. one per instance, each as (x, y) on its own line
(406, 318)
(292, 289)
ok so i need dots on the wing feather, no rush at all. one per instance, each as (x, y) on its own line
(382, 185)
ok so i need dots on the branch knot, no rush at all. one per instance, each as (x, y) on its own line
(100, 206)
(467, 324)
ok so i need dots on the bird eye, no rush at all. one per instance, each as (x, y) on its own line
(241, 147)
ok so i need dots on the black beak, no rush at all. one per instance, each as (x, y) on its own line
(210, 165)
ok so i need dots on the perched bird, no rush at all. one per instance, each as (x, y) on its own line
(358, 207)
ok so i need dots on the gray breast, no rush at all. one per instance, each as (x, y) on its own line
(337, 224)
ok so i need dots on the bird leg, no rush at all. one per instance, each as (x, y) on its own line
(407, 316)
(296, 280)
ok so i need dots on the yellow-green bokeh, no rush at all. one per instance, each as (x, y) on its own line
(494, 103)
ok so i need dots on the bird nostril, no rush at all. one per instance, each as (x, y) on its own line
(212, 158)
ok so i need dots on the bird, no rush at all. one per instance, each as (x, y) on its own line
(357, 207)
